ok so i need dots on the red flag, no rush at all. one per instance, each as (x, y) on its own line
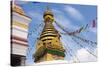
(93, 23)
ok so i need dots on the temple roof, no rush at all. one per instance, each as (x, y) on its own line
(18, 9)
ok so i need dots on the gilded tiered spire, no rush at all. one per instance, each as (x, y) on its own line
(49, 46)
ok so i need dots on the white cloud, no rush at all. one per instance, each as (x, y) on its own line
(60, 18)
(95, 51)
(84, 56)
(63, 21)
(74, 13)
(56, 11)
(93, 30)
(90, 34)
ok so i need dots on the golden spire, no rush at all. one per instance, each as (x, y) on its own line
(49, 46)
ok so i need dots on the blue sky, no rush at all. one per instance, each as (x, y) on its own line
(71, 17)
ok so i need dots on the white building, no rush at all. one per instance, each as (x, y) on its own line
(19, 32)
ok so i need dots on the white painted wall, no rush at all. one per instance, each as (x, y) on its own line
(19, 50)
(21, 18)
(19, 33)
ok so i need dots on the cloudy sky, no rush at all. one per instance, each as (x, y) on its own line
(71, 17)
